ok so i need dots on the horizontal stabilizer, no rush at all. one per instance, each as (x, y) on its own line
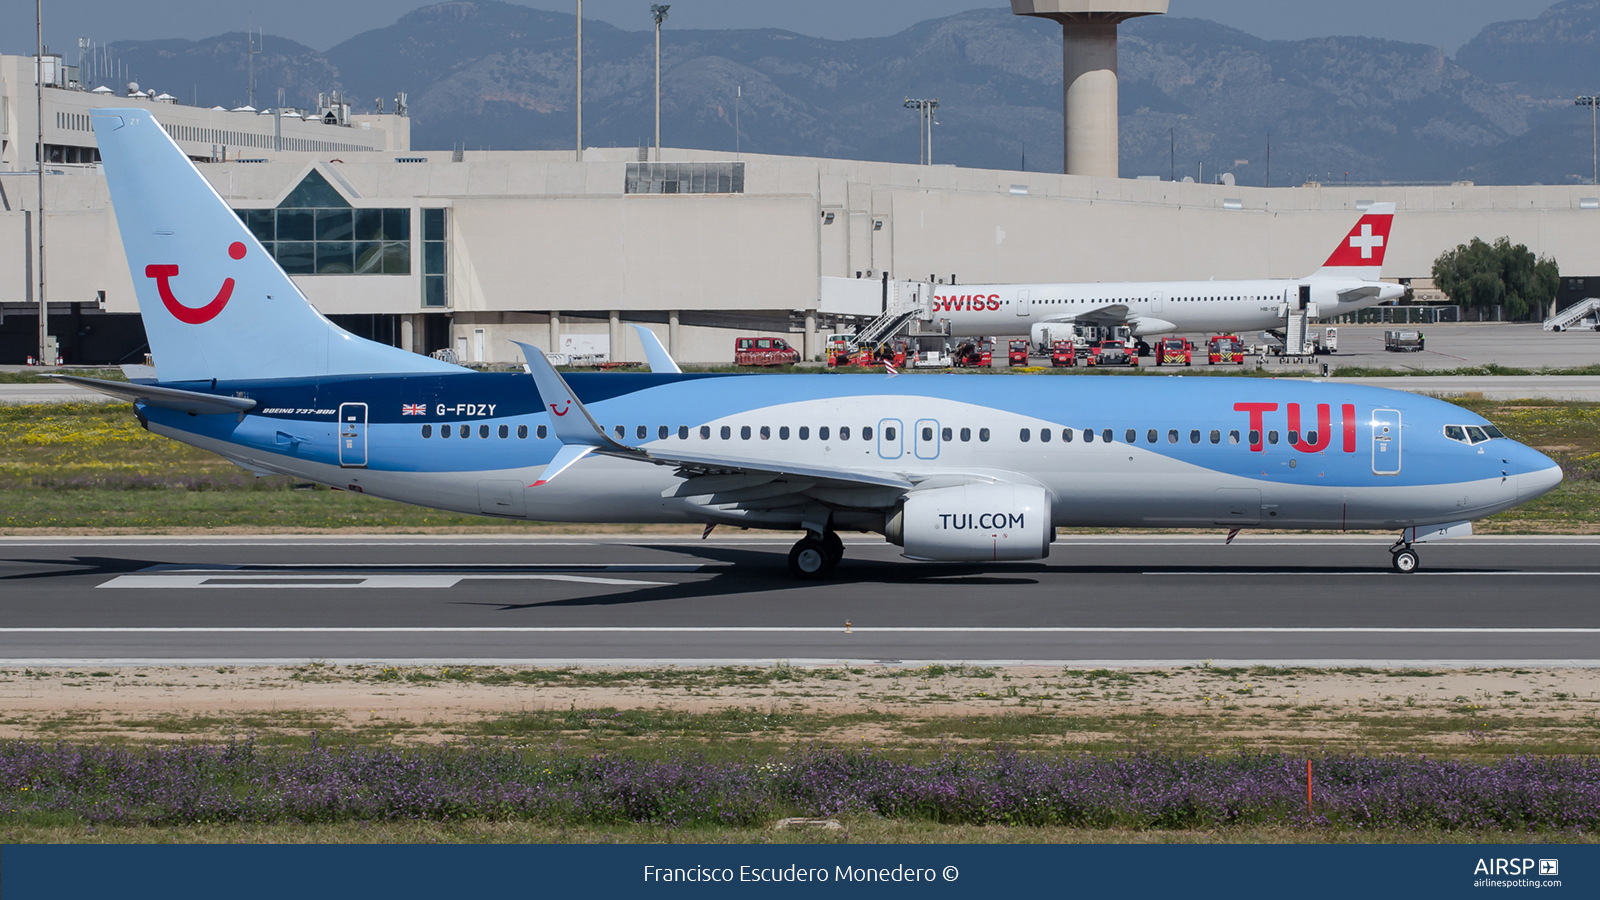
(191, 402)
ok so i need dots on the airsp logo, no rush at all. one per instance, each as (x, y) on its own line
(1503, 866)
(1549, 867)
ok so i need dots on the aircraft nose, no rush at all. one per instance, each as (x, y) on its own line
(1539, 476)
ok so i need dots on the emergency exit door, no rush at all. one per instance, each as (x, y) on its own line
(353, 435)
(1386, 442)
(1024, 302)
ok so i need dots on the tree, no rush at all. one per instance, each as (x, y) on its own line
(1498, 274)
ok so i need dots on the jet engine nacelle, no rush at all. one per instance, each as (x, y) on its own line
(1045, 334)
(974, 522)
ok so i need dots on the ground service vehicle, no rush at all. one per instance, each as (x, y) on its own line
(1064, 355)
(1113, 353)
(975, 354)
(752, 351)
(1402, 341)
(1018, 355)
(945, 468)
(1174, 351)
(1225, 350)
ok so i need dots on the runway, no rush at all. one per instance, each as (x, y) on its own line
(1098, 600)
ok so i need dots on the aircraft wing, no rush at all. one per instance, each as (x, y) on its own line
(191, 402)
(580, 435)
(1110, 314)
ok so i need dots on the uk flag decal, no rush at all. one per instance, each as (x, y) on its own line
(413, 409)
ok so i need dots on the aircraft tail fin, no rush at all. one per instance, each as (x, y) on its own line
(1359, 257)
(215, 303)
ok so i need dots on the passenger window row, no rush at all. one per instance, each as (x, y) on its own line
(1153, 436)
(465, 431)
(1468, 434)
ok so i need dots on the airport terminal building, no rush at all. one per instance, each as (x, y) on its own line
(466, 251)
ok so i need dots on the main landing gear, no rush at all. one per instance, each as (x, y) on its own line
(1405, 559)
(812, 557)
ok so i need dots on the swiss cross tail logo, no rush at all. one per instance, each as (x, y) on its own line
(193, 315)
(413, 409)
(1366, 241)
(1364, 246)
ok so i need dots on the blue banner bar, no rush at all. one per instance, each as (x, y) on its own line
(55, 872)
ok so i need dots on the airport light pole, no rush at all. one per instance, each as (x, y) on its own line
(38, 87)
(925, 112)
(658, 11)
(580, 80)
(1594, 127)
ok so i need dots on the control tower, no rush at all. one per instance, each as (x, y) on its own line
(1089, 74)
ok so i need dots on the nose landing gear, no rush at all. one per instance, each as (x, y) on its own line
(1405, 559)
(812, 557)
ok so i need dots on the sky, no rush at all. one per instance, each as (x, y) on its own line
(319, 24)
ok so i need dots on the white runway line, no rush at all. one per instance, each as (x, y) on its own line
(274, 581)
(760, 629)
(1230, 573)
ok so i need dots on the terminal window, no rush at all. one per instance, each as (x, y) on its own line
(435, 257)
(315, 231)
(685, 178)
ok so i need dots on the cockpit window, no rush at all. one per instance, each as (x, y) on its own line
(1472, 434)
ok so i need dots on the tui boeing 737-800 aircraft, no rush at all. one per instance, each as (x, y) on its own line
(947, 467)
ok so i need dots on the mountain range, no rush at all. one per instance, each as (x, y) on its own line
(1196, 97)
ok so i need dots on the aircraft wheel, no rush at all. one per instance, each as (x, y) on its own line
(835, 547)
(1406, 561)
(808, 559)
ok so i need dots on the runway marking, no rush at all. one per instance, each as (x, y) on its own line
(764, 629)
(175, 568)
(325, 582)
(1298, 574)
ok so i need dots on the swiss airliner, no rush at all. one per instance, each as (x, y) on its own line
(1348, 281)
(947, 467)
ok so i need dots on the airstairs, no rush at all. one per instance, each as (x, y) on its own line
(907, 301)
(1576, 316)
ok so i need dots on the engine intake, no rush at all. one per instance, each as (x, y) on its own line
(974, 522)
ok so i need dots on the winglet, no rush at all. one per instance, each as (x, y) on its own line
(579, 434)
(658, 357)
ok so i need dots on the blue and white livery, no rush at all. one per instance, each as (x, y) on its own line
(954, 467)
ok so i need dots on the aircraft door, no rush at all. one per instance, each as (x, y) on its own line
(1156, 299)
(353, 435)
(891, 443)
(926, 439)
(1386, 442)
(1024, 302)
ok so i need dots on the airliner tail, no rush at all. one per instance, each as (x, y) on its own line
(215, 303)
(1359, 257)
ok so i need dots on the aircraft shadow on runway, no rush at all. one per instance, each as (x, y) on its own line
(731, 570)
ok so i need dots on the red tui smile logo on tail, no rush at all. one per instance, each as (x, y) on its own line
(190, 315)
